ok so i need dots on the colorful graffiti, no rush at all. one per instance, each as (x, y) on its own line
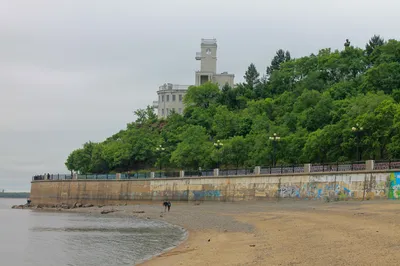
(394, 190)
(315, 190)
(206, 194)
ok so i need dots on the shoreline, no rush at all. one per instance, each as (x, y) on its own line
(274, 233)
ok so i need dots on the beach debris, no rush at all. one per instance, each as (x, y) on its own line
(252, 246)
(137, 211)
(87, 205)
(107, 211)
(209, 240)
(161, 215)
(19, 206)
(100, 206)
(77, 205)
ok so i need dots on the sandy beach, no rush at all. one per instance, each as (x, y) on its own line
(278, 233)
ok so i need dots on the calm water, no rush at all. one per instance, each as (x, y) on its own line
(30, 238)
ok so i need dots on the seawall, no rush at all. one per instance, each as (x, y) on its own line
(333, 185)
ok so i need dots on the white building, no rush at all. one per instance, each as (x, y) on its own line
(170, 96)
(170, 99)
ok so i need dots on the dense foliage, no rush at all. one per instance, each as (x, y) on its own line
(312, 103)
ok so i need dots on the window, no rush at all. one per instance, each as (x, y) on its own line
(162, 111)
(163, 99)
(180, 110)
(167, 98)
(167, 111)
(173, 98)
(180, 97)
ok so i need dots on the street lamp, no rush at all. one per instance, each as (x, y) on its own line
(160, 149)
(275, 138)
(358, 131)
(218, 145)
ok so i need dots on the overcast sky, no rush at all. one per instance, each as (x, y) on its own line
(73, 71)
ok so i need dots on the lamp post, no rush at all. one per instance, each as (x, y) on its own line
(160, 150)
(218, 145)
(357, 131)
(275, 138)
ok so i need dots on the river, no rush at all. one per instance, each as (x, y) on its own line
(33, 238)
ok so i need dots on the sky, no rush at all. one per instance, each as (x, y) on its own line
(75, 70)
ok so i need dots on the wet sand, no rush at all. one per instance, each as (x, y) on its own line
(284, 233)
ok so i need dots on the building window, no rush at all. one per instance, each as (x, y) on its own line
(180, 110)
(162, 111)
(180, 97)
(173, 98)
(167, 111)
(162, 98)
(167, 98)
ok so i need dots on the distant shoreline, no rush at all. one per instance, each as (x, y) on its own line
(14, 195)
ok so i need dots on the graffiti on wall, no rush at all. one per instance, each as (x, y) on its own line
(315, 190)
(201, 194)
(394, 190)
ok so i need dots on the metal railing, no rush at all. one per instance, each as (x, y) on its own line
(197, 173)
(98, 176)
(135, 175)
(233, 172)
(52, 177)
(283, 169)
(338, 167)
(387, 165)
(265, 170)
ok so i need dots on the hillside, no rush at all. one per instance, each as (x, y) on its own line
(326, 107)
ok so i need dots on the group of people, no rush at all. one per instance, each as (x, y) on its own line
(167, 205)
(41, 177)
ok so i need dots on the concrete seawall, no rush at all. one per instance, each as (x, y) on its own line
(339, 185)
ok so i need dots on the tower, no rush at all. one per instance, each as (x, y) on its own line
(208, 65)
(208, 61)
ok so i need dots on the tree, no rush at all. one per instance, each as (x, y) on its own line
(201, 96)
(235, 151)
(252, 77)
(280, 57)
(194, 150)
(373, 43)
(311, 102)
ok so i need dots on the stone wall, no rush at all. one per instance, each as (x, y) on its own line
(341, 186)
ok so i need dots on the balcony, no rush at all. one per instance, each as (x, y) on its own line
(209, 41)
(170, 86)
(198, 56)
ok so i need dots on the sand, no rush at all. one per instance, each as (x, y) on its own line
(280, 233)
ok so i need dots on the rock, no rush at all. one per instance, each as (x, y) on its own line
(161, 215)
(64, 206)
(252, 246)
(107, 211)
(138, 212)
(100, 206)
(87, 205)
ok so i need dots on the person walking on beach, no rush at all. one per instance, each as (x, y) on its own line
(169, 205)
(165, 204)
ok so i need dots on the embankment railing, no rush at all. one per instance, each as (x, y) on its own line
(263, 170)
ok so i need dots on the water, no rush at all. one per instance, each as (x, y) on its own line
(31, 238)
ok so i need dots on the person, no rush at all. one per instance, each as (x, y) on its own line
(165, 204)
(169, 205)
